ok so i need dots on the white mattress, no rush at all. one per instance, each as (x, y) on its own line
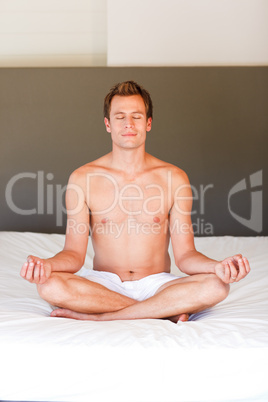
(221, 354)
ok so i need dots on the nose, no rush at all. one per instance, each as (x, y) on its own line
(129, 122)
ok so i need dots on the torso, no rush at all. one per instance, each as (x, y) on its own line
(129, 218)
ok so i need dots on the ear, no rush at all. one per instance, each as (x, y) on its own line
(107, 125)
(149, 124)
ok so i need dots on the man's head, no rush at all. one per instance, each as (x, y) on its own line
(128, 88)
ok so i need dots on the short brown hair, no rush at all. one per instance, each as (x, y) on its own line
(128, 88)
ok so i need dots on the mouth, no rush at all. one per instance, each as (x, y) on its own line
(129, 135)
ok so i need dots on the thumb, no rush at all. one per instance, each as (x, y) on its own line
(32, 258)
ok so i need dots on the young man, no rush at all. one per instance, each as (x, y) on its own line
(130, 201)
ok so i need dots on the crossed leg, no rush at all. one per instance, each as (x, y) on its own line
(81, 299)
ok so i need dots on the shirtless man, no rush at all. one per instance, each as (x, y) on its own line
(132, 204)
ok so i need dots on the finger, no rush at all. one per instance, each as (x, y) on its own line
(242, 269)
(42, 273)
(29, 273)
(246, 264)
(36, 274)
(237, 257)
(24, 269)
(233, 271)
(235, 260)
(30, 258)
(43, 276)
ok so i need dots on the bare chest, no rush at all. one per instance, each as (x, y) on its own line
(117, 202)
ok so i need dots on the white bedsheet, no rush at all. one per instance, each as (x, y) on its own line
(221, 354)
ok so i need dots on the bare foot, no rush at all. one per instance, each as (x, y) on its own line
(180, 317)
(65, 313)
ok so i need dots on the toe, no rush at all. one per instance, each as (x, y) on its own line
(183, 317)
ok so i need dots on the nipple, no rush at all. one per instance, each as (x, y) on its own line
(156, 219)
(104, 220)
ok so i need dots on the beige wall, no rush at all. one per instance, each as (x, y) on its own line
(57, 33)
(210, 121)
(183, 33)
(52, 33)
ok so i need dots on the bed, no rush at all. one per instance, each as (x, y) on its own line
(211, 122)
(220, 354)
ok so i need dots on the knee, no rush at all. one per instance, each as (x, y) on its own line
(215, 289)
(222, 289)
(52, 290)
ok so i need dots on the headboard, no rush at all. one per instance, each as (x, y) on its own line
(210, 121)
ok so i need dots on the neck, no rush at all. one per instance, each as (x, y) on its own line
(131, 161)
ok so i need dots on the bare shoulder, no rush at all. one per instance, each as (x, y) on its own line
(79, 175)
(178, 176)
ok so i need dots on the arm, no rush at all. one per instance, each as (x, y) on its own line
(72, 257)
(187, 258)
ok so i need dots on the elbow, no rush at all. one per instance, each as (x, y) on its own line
(183, 259)
(82, 262)
(179, 264)
(77, 261)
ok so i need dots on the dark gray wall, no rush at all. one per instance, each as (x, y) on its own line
(211, 122)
